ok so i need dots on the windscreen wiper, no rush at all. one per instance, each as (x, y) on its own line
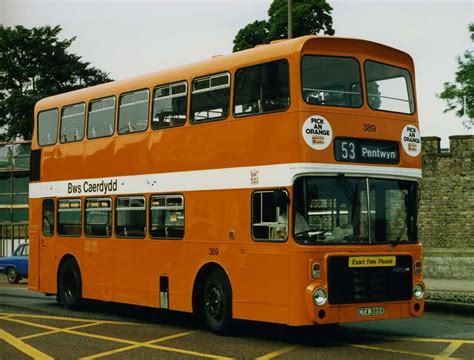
(400, 234)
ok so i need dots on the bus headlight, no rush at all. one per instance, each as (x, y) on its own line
(418, 291)
(320, 296)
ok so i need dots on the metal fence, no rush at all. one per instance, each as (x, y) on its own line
(11, 235)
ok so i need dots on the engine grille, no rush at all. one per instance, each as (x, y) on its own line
(347, 285)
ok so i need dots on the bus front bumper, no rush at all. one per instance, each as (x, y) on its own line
(330, 314)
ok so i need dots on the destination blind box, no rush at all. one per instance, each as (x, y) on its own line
(366, 151)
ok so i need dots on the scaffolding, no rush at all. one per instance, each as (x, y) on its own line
(14, 183)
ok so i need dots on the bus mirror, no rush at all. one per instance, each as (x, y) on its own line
(281, 198)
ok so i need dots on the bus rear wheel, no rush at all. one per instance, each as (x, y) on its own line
(70, 285)
(217, 303)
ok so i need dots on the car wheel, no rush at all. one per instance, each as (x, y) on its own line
(70, 285)
(12, 276)
(217, 303)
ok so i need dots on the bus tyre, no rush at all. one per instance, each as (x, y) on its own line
(70, 285)
(12, 276)
(217, 303)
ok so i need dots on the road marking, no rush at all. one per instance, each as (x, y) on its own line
(49, 317)
(377, 348)
(123, 341)
(23, 347)
(278, 352)
(59, 330)
(189, 352)
(439, 340)
(451, 349)
(131, 347)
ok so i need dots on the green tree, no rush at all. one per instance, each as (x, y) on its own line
(309, 17)
(35, 63)
(459, 95)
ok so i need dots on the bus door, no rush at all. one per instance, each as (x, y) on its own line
(46, 261)
(33, 259)
(264, 262)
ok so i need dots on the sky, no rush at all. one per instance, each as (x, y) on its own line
(128, 38)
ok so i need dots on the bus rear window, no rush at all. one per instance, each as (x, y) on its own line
(47, 127)
(389, 88)
(331, 81)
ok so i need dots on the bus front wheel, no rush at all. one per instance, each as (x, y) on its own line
(70, 285)
(217, 303)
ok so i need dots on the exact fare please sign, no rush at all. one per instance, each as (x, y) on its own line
(372, 261)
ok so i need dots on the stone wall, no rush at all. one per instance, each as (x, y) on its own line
(446, 224)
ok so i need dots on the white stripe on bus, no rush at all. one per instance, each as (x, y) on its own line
(249, 177)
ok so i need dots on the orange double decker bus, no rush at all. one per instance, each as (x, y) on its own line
(277, 184)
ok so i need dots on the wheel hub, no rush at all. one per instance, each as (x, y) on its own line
(214, 303)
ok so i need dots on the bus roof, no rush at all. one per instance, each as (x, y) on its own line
(261, 53)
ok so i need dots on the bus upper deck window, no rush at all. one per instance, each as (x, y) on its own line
(169, 105)
(389, 88)
(331, 81)
(72, 123)
(101, 121)
(210, 98)
(133, 112)
(47, 127)
(262, 88)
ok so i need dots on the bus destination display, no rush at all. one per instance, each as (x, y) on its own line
(366, 151)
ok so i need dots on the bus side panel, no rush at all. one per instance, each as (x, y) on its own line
(167, 150)
(264, 283)
(258, 271)
(98, 269)
(257, 140)
(167, 259)
(70, 159)
(131, 266)
(207, 145)
(97, 155)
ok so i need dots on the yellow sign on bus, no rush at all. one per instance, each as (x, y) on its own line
(372, 261)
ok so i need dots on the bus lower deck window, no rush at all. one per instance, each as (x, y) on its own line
(130, 217)
(98, 217)
(167, 216)
(269, 215)
(69, 217)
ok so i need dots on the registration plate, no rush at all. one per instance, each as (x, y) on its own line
(371, 311)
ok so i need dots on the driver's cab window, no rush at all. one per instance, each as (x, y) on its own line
(270, 215)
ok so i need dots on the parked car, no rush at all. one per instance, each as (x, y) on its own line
(16, 266)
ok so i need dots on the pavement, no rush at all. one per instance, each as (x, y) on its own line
(449, 295)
